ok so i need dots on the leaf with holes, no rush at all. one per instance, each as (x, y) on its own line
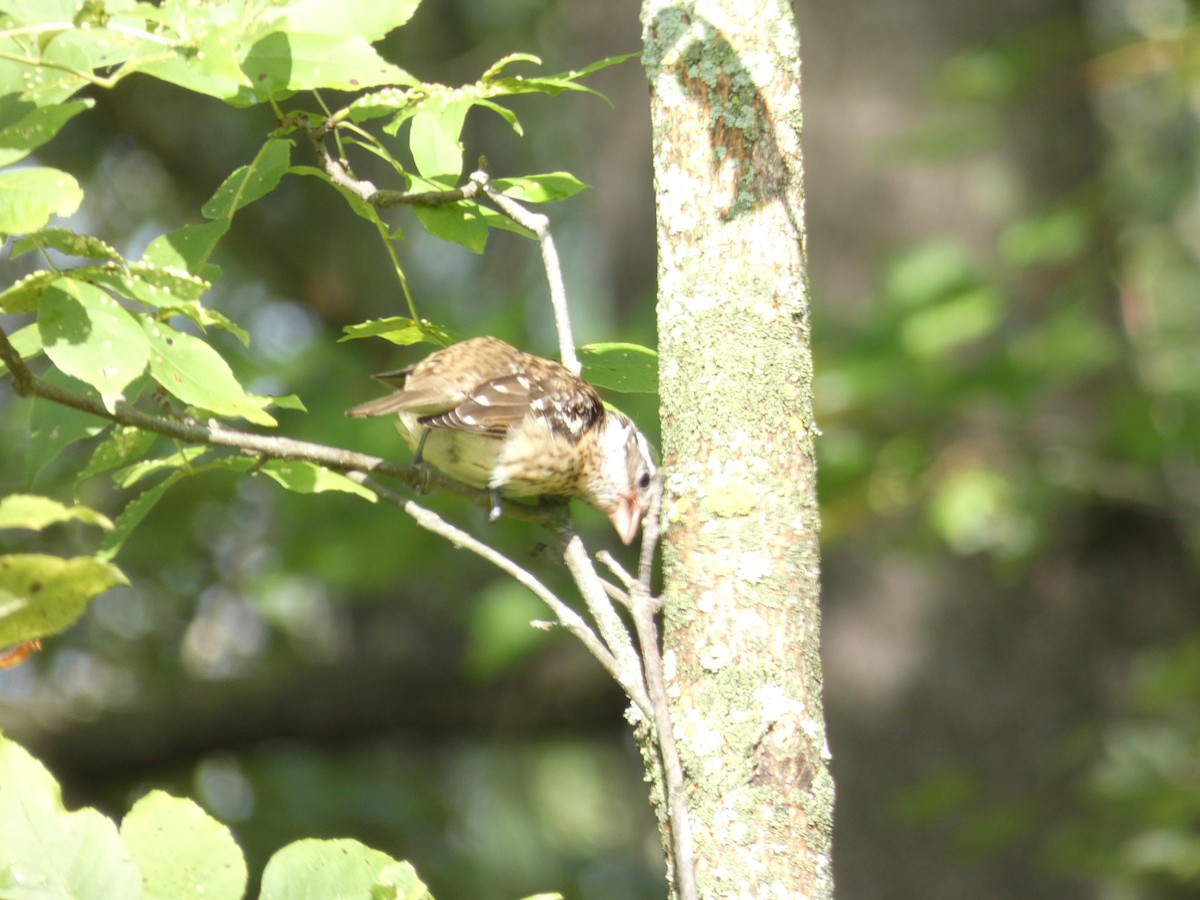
(89, 336)
(195, 373)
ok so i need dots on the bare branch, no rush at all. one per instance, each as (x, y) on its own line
(540, 226)
(566, 616)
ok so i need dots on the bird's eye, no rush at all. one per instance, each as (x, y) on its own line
(644, 481)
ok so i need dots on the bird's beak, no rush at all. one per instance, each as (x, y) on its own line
(626, 517)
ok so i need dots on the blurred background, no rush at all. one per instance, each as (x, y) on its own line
(1004, 232)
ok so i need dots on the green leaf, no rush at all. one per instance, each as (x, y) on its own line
(627, 368)
(142, 468)
(318, 870)
(24, 127)
(36, 513)
(189, 249)
(133, 514)
(540, 188)
(399, 881)
(249, 183)
(65, 241)
(26, 341)
(53, 427)
(399, 330)
(459, 222)
(24, 296)
(368, 19)
(435, 138)
(181, 851)
(47, 852)
(42, 595)
(30, 196)
(281, 63)
(90, 336)
(123, 445)
(195, 373)
(309, 478)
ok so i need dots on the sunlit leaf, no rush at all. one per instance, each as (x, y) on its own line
(399, 330)
(196, 374)
(435, 139)
(540, 188)
(189, 248)
(30, 196)
(42, 595)
(35, 512)
(46, 851)
(181, 851)
(90, 336)
(309, 478)
(66, 242)
(315, 870)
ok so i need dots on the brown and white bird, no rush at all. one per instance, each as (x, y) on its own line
(494, 417)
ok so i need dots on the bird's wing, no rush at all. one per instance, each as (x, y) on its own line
(568, 404)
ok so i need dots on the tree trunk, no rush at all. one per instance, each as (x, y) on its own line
(740, 512)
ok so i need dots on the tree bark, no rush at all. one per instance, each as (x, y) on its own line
(740, 547)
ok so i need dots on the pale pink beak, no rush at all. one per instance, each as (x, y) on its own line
(626, 517)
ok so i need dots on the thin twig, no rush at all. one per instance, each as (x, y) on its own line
(611, 628)
(540, 226)
(567, 617)
(643, 606)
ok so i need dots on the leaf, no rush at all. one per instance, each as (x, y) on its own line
(180, 459)
(435, 139)
(280, 63)
(196, 374)
(627, 368)
(189, 248)
(26, 341)
(47, 852)
(53, 427)
(181, 851)
(318, 870)
(309, 478)
(399, 881)
(67, 242)
(540, 188)
(25, 294)
(123, 445)
(132, 516)
(459, 222)
(399, 330)
(30, 196)
(25, 126)
(42, 595)
(89, 336)
(36, 513)
(249, 183)
(369, 19)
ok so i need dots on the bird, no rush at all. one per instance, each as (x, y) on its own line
(520, 426)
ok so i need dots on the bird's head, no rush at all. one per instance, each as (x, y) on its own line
(621, 485)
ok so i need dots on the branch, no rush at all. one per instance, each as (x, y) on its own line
(644, 606)
(214, 433)
(540, 226)
(567, 617)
